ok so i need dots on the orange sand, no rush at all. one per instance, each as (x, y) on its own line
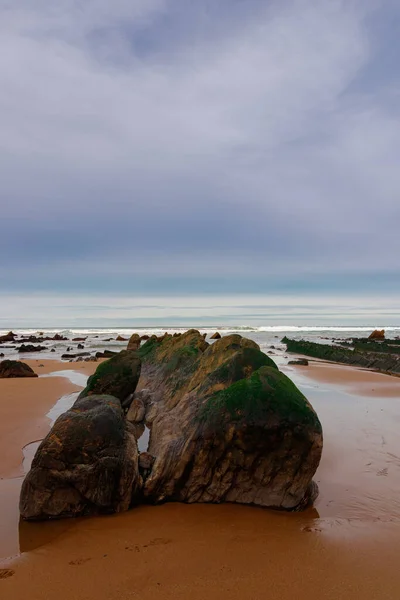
(181, 552)
(24, 404)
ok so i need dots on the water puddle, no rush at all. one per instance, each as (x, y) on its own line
(61, 406)
(29, 452)
(143, 440)
(74, 376)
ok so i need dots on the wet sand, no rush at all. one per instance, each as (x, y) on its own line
(355, 380)
(24, 404)
(345, 547)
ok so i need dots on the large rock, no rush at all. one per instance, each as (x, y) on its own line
(226, 425)
(15, 368)
(117, 377)
(87, 464)
(134, 342)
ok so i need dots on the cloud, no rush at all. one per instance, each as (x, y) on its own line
(222, 140)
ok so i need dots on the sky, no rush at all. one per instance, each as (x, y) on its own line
(172, 153)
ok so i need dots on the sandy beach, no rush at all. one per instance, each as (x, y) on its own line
(355, 380)
(344, 547)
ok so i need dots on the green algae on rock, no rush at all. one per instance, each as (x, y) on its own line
(117, 377)
(225, 426)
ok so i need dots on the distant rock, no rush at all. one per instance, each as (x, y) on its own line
(8, 337)
(215, 336)
(120, 339)
(387, 360)
(79, 339)
(80, 346)
(31, 339)
(86, 465)
(14, 368)
(377, 335)
(134, 342)
(31, 348)
(68, 356)
(144, 338)
(117, 377)
(106, 354)
(303, 362)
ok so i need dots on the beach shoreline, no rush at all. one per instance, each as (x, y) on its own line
(175, 551)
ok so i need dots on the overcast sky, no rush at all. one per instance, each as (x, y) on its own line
(218, 147)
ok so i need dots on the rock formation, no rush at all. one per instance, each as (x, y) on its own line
(31, 348)
(387, 361)
(87, 464)
(215, 336)
(15, 368)
(225, 426)
(8, 337)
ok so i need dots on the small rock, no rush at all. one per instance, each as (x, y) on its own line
(301, 362)
(216, 336)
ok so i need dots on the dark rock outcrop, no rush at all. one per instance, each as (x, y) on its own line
(215, 336)
(378, 361)
(15, 368)
(31, 348)
(68, 356)
(302, 362)
(117, 377)
(8, 337)
(79, 339)
(87, 464)
(119, 338)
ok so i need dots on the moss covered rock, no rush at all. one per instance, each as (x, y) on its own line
(117, 377)
(226, 425)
